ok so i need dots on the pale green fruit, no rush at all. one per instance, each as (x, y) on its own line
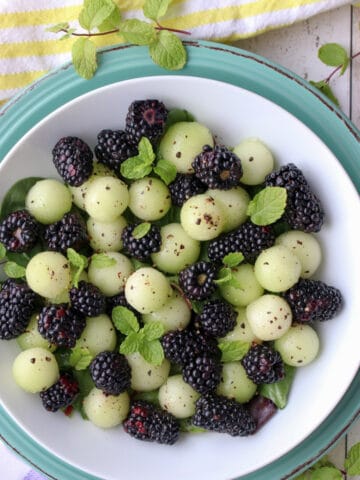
(234, 203)
(106, 236)
(111, 280)
(298, 346)
(48, 274)
(48, 201)
(174, 315)
(35, 370)
(31, 338)
(106, 411)
(178, 397)
(256, 160)
(106, 198)
(242, 330)
(98, 335)
(248, 290)
(149, 199)
(146, 377)
(235, 384)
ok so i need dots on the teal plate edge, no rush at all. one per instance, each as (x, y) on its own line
(236, 67)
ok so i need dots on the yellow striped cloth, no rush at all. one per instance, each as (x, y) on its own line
(28, 51)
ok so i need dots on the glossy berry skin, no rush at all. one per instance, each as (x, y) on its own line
(217, 318)
(262, 364)
(203, 373)
(141, 248)
(185, 186)
(61, 325)
(197, 281)
(145, 118)
(72, 158)
(61, 394)
(19, 231)
(87, 299)
(111, 372)
(113, 148)
(69, 232)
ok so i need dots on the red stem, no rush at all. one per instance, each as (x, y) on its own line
(327, 80)
(175, 30)
(117, 30)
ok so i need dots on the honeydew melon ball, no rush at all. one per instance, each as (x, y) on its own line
(31, 337)
(174, 315)
(235, 384)
(110, 279)
(178, 250)
(306, 247)
(298, 346)
(277, 268)
(242, 330)
(182, 142)
(98, 335)
(64, 296)
(150, 199)
(147, 290)
(106, 198)
(35, 370)
(145, 376)
(106, 236)
(256, 159)
(178, 397)
(248, 290)
(106, 411)
(48, 274)
(234, 202)
(202, 217)
(48, 201)
(269, 317)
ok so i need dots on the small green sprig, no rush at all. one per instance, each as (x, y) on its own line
(226, 276)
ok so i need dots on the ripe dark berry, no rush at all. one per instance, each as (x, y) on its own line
(141, 248)
(87, 299)
(111, 372)
(145, 118)
(262, 364)
(220, 414)
(72, 158)
(218, 167)
(69, 232)
(61, 325)
(312, 300)
(113, 148)
(61, 394)
(197, 281)
(217, 318)
(19, 231)
(288, 176)
(185, 186)
(203, 373)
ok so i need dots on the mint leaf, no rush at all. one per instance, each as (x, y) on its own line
(325, 88)
(155, 9)
(124, 320)
(95, 12)
(226, 276)
(84, 57)
(153, 330)
(58, 27)
(146, 150)
(131, 344)
(13, 270)
(137, 31)
(152, 352)
(233, 259)
(334, 55)
(138, 167)
(278, 392)
(197, 306)
(166, 171)
(102, 260)
(79, 262)
(187, 426)
(80, 358)
(152, 397)
(178, 115)
(141, 230)
(352, 461)
(326, 473)
(112, 22)
(168, 51)
(2, 251)
(233, 351)
(267, 206)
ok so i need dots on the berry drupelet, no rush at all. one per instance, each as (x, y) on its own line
(61, 394)
(19, 231)
(312, 300)
(141, 248)
(69, 232)
(72, 158)
(217, 318)
(145, 118)
(262, 364)
(87, 299)
(197, 280)
(61, 325)
(113, 148)
(184, 187)
(203, 373)
(111, 372)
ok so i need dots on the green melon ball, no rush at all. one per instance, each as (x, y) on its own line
(174, 315)
(269, 317)
(234, 203)
(48, 274)
(31, 338)
(110, 279)
(178, 250)
(145, 376)
(106, 411)
(106, 198)
(35, 370)
(277, 268)
(182, 142)
(178, 397)
(149, 199)
(99, 335)
(248, 288)
(306, 247)
(106, 236)
(298, 346)
(235, 384)
(48, 201)
(256, 159)
(147, 290)
(242, 330)
(202, 217)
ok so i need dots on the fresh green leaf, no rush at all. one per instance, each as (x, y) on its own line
(137, 264)
(304, 476)
(152, 352)
(326, 473)
(155, 9)
(323, 462)
(168, 51)
(188, 427)
(86, 384)
(226, 276)
(153, 331)
(13, 270)
(23, 258)
(178, 115)
(131, 343)
(84, 57)
(267, 206)
(151, 397)
(197, 306)
(352, 461)
(146, 150)
(2, 251)
(138, 167)
(166, 171)
(137, 31)
(78, 262)
(333, 54)
(80, 358)
(95, 13)
(124, 320)
(141, 230)
(233, 259)
(112, 22)
(278, 392)
(59, 27)
(325, 88)
(68, 34)
(233, 351)
(102, 260)
(14, 198)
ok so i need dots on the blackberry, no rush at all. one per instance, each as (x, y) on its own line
(217, 318)
(69, 232)
(119, 300)
(197, 281)
(111, 372)
(203, 373)
(141, 248)
(72, 158)
(262, 364)
(146, 422)
(288, 176)
(61, 394)
(218, 167)
(19, 231)
(61, 325)
(145, 118)
(17, 304)
(183, 187)
(312, 300)
(87, 299)
(113, 148)
(249, 239)
(220, 414)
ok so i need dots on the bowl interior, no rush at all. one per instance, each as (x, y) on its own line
(232, 114)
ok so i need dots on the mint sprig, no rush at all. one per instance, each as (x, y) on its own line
(84, 57)
(226, 273)
(78, 263)
(139, 166)
(80, 358)
(141, 230)
(13, 270)
(267, 206)
(232, 351)
(102, 260)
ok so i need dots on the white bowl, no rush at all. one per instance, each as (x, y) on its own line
(232, 114)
